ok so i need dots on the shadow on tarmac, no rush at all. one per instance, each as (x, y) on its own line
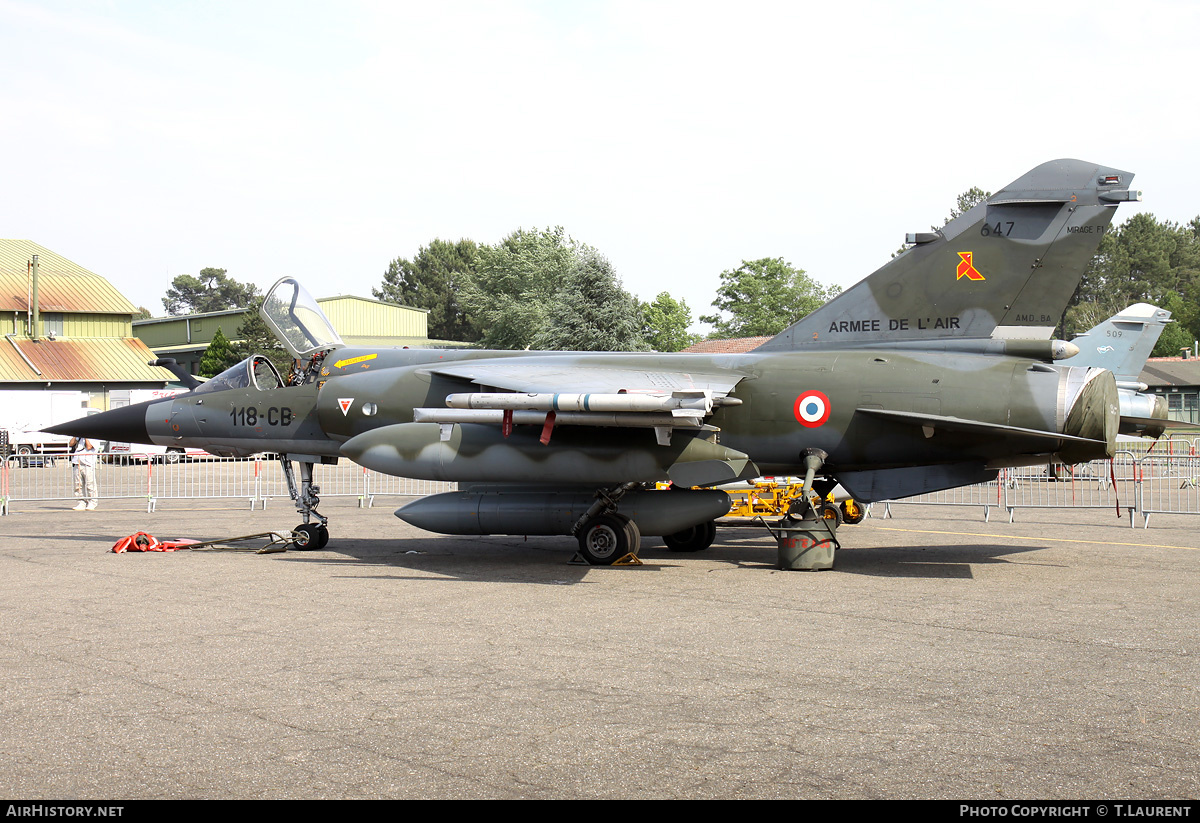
(548, 559)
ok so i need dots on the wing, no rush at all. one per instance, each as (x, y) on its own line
(1030, 438)
(895, 483)
(564, 374)
(591, 399)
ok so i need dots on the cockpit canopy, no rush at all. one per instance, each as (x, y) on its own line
(255, 372)
(297, 320)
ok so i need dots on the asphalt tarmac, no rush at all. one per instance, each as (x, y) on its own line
(944, 657)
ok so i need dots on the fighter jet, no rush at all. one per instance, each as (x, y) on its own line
(933, 372)
(1122, 344)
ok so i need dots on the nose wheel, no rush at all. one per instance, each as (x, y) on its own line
(310, 536)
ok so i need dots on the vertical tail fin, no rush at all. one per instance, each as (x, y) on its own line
(1123, 342)
(1004, 269)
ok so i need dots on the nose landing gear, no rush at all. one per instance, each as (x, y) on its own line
(308, 536)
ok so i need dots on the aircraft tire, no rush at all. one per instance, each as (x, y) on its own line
(606, 538)
(831, 512)
(852, 512)
(697, 538)
(310, 537)
(635, 536)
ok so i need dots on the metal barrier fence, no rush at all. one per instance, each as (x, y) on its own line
(1163, 477)
(1170, 484)
(255, 480)
(1103, 484)
(985, 495)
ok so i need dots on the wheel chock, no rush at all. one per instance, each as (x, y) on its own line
(629, 559)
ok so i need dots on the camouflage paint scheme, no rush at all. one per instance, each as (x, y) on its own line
(933, 372)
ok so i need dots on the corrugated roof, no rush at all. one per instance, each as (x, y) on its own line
(200, 315)
(1171, 371)
(166, 318)
(409, 342)
(62, 285)
(337, 297)
(95, 359)
(734, 345)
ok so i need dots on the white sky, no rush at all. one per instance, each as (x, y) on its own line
(323, 139)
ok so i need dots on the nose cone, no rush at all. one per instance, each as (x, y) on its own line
(124, 425)
(1062, 350)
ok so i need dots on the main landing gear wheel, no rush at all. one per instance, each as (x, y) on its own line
(310, 537)
(831, 512)
(634, 534)
(606, 538)
(697, 538)
(852, 512)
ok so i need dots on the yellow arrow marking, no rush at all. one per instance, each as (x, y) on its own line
(339, 364)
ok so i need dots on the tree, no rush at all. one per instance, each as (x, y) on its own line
(1143, 260)
(591, 312)
(433, 280)
(1174, 336)
(212, 290)
(763, 297)
(966, 201)
(542, 289)
(665, 324)
(258, 338)
(219, 355)
(513, 284)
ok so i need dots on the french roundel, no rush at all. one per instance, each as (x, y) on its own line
(812, 409)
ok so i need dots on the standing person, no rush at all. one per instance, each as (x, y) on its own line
(83, 468)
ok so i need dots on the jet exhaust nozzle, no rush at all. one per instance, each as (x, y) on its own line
(1093, 411)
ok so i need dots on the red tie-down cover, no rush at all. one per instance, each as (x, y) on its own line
(142, 542)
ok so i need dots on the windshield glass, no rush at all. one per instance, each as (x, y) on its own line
(254, 372)
(297, 319)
